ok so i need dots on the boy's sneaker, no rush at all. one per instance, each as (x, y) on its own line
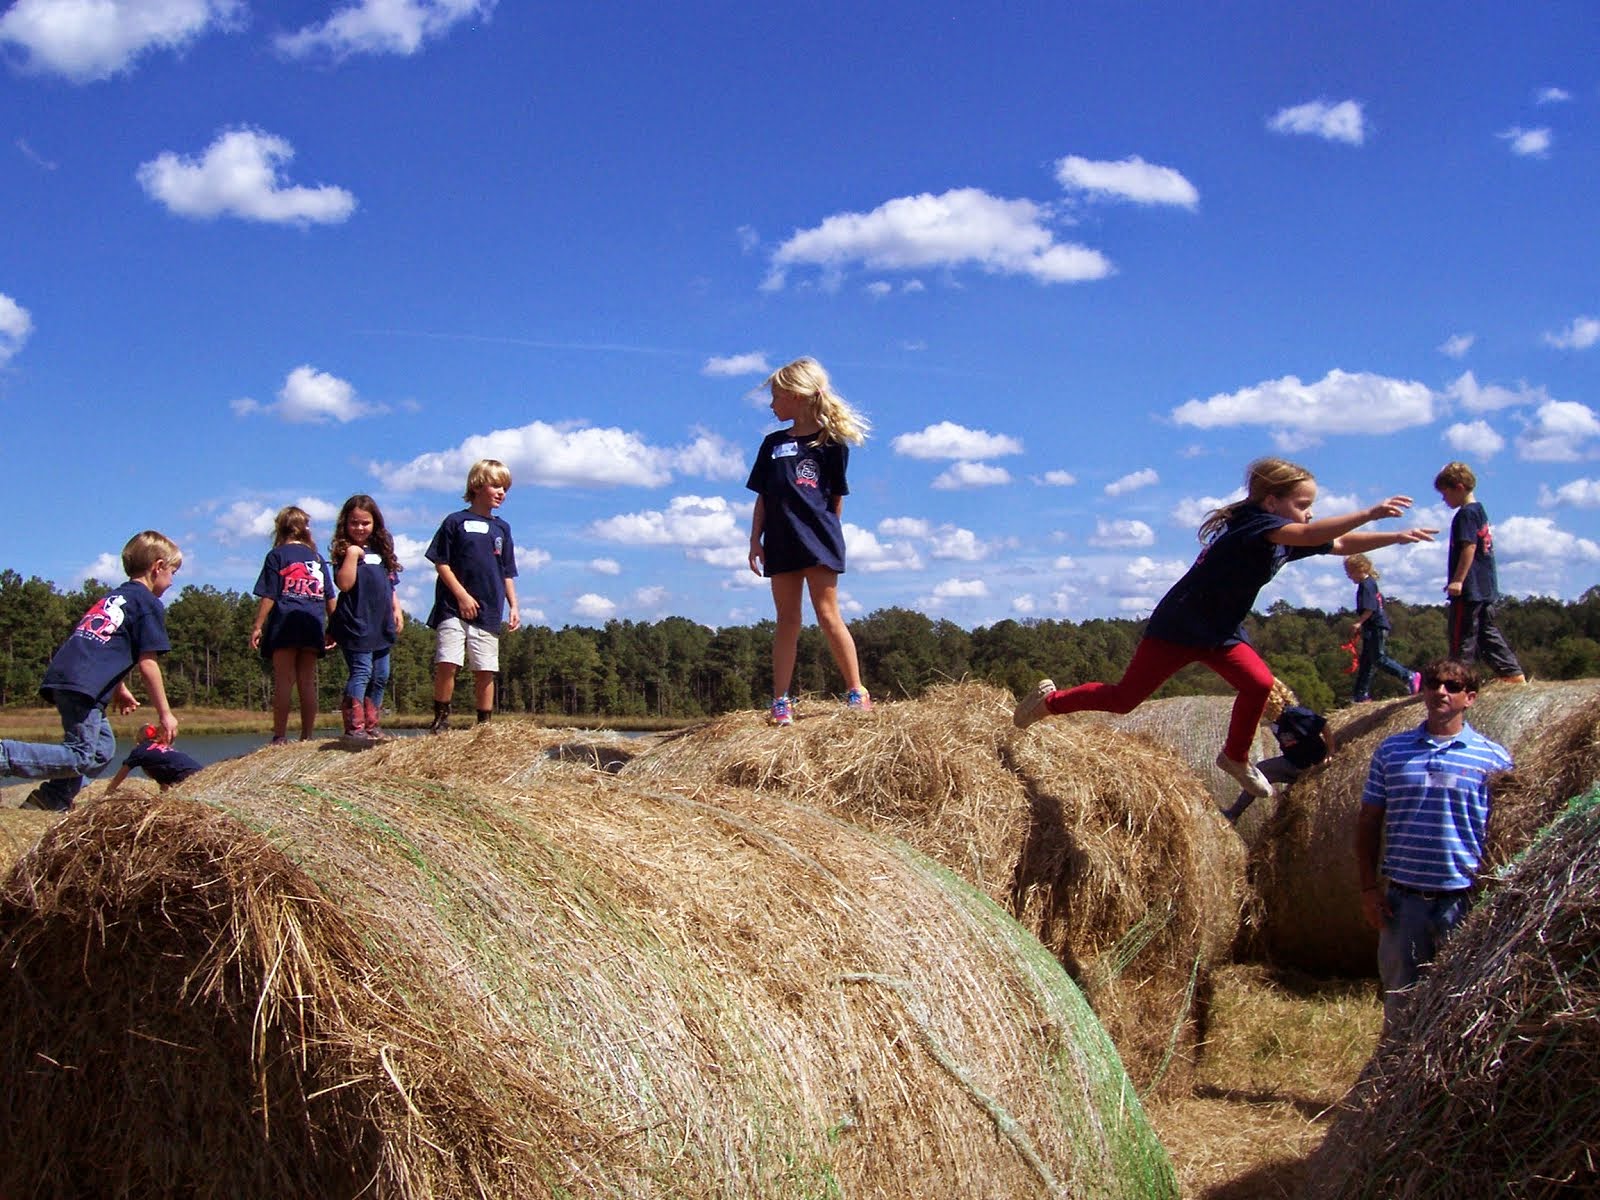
(782, 711)
(1250, 779)
(1517, 678)
(858, 698)
(1032, 707)
(1415, 682)
(1236, 810)
(278, 740)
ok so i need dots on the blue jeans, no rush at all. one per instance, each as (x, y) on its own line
(1411, 936)
(369, 674)
(87, 748)
(1373, 657)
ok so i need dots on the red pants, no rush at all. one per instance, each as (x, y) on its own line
(1155, 661)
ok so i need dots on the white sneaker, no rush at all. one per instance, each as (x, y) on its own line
(1250, 779)
(1032, 707)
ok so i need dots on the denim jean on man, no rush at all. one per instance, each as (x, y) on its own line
(87, 748)
(369, 674)
(1411, 936)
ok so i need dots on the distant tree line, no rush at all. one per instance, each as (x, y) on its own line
(678, 668)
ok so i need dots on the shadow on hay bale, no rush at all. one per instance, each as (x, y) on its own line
(296, 981)
(1487, 1084)
(20, 831)
(1304, 871)
(1101, 843)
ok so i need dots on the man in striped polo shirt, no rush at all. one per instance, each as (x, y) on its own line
(1427, 804)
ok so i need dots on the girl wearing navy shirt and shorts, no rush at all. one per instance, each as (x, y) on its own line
(296, 591)
(1201, 619)
(796, 535)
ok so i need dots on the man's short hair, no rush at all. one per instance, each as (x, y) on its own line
(143, 549)
(1454, 668)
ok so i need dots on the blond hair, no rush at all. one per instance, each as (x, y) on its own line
(1455, 474)
(1263, 478)
(1281, 697)
(293, 524)
(806, 378)
(487, 472)
(145, 549)
(1362, 563)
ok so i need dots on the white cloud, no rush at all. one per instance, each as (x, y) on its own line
(382, 27)
(957, 589)
(904, 527)
(1064, 562)
(594, 607)
(1580, 493)
(86, 40)
(1558, 431)
(963, 475)
(238, 175)
(951, 541)
(1551, 95)
(538, 453)
(107, 568)
(864, 552)
(1457, 345)
(1023, 605)
(878, 289)
(310, 396)
(248, 520)
(1192, 511)
(1342, 122)
(1058, 479)
(16, 325)
(1582, 333)
(412, 553)
(652, 597)
(1492, 397)
(753, 363)
(1340, 402)
(1538, 539)
(1528, 143)
(946, 439)
(1476, 439)
(965, 226)
(1122, 534)
(701, 522)
(710, 456)
(1132, 482)
(605, 566)
(1130, 179)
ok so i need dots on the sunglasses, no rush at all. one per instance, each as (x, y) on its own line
(1450, 685)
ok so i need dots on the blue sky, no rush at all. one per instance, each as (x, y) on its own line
(1078, 264)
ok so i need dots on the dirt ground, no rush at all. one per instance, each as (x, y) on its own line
(1281, 1050)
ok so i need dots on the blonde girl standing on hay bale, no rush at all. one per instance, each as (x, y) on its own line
(796, 535)
(1201, 619)
(296, 591)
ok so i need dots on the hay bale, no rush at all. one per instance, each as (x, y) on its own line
(1304, 869)
(20, 831)
(1101, 844)
(1486, 1085)
(291, 982)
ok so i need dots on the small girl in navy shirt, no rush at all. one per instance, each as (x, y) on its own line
(796, 535)
(1201, 619)
(296, 591)
(367, 620)
(155, 756)
(1372, 627)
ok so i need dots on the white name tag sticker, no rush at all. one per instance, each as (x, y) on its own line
(375, 559)
(786, 450)
(475, 526)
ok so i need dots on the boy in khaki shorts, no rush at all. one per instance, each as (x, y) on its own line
(476, 563)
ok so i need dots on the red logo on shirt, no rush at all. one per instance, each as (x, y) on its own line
(301, 579)
(805, 474)
(103, 619)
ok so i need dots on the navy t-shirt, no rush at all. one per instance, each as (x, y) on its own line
(1370, 599)
(364, 618)
(162, 763)
(1470, 527)
(478, 550)
(798, 482)
(118, 629)
(1207, 607)
(297, 581)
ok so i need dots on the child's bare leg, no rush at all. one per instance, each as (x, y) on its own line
(305, 669)
(786, 593)
(483, 690)
(283, 663)
(824, 587)
(444, 682)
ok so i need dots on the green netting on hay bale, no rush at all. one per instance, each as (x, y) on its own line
(1100, 843)
(1489, 1085)
(311, 975)
(1304, 869)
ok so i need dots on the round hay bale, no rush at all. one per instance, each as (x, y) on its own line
(1304, 869)
(1486, 1085)
(20, 831)
(1101, 844)
(290, 981)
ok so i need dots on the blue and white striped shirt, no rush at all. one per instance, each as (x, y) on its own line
(1435, 795)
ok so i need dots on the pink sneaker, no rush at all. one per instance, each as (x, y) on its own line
(858, 698)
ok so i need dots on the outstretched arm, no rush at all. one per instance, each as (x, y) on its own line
(1360, 543)
(1326, 529)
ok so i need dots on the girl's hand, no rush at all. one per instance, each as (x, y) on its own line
(1394, 506)
(255, 639)
(353, 550)
(1415, 535)
(755, 557)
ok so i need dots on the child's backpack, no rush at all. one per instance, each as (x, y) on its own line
(1299, 734)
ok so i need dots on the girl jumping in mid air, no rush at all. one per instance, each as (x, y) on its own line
(1201, 618)
(1372, 627)
(367, 619)
(796, 537)
(296, 593)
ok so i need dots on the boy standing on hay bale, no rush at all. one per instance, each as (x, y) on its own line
(1427, 802)
(1473, 586)
(473, 554)
(125, 628)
